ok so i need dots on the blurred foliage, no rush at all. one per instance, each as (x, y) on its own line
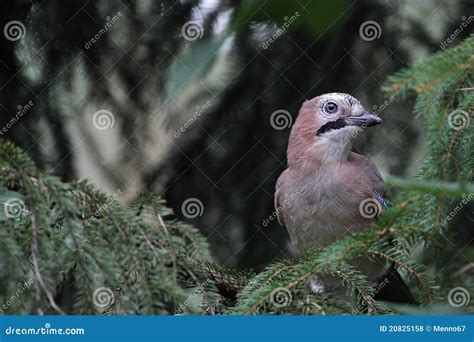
(81, 252)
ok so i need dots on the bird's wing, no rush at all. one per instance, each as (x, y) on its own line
(396, 290)
(380, 192)
(381, 199)
(376, 181)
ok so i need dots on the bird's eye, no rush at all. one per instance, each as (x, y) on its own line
(330, 107)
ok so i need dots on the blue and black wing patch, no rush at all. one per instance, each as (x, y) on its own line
(381, 200)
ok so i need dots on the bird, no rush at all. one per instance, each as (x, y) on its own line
(328, 191)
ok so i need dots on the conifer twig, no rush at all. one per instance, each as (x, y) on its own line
(34, 259)
(431, 186)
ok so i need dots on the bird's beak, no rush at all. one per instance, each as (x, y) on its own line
(367, 119)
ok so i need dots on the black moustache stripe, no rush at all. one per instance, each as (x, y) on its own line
(331, 125)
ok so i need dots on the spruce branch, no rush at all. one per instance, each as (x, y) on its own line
(430, 186)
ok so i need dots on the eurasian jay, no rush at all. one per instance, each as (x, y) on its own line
(327, 191)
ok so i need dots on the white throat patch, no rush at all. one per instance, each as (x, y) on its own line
(336, 145)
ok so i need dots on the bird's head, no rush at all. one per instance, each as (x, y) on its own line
(326, 125)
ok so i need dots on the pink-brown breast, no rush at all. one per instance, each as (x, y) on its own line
(320, 205)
